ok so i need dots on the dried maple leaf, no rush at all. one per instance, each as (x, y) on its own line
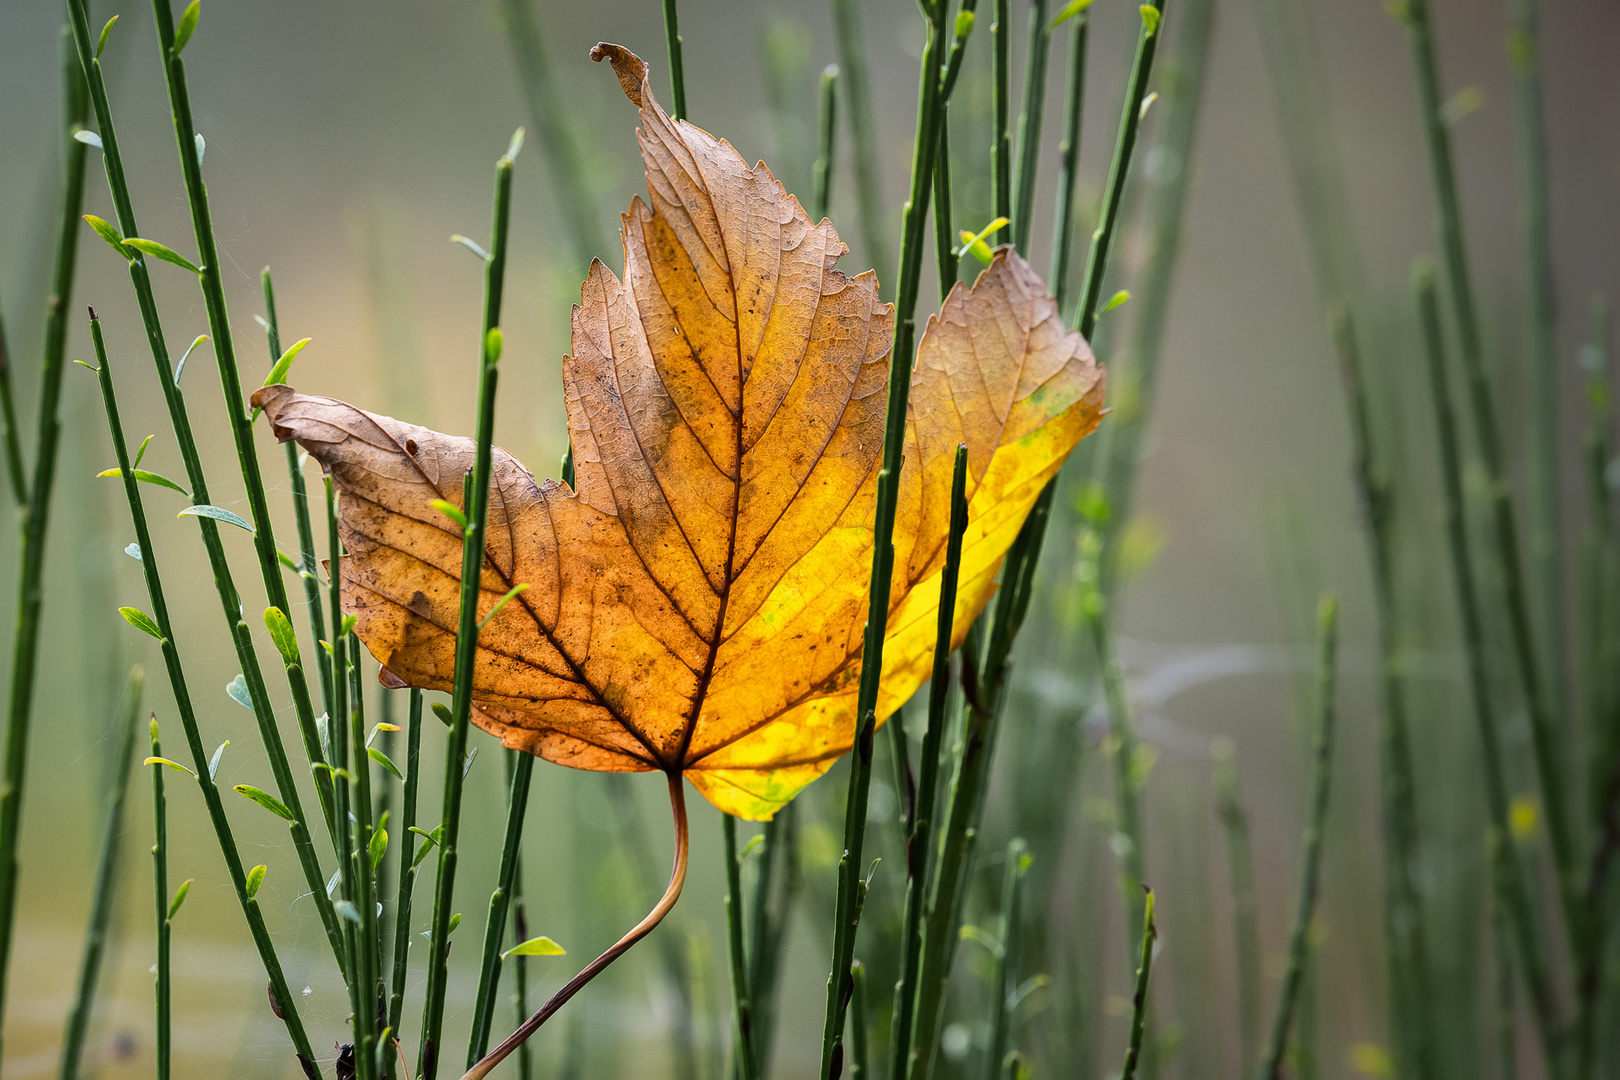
(696, 601)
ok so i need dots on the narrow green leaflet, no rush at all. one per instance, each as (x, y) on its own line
(218, 513)
(105, 31)
(513, 591)
(450, 510)
(175, 765)
(213, 762)
(159, 251)
(266, 800)
(278, 372)
(181, 366)
(179, 898)
(255, 878)
(187, 26)
(379, 847)
(537, 946)
(145, 477)
(108, 232)
(141, 450)
(346, 910)
(383, 759)
(282, 633)
(141, 621)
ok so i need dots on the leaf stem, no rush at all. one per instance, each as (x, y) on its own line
(34, 520)
(1327, 661)
(476, 508)
(101, 903)
(677, 879)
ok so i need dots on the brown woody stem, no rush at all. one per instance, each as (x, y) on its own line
(677, 879)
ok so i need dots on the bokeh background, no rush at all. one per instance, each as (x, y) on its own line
(346, 142)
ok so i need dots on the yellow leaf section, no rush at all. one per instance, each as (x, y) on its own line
(1018, 434)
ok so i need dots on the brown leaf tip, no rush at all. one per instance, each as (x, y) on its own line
(630, 68)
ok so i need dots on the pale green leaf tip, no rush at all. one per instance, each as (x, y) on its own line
(1150, 18)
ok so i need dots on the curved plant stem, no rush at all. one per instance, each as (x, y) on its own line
(288, 1009)
(863, 130)
(1144, 970)
(1327, 668)
(1515, 890)
(677, 879)
(500, 903)
(95, 937)
(35, 515)
(475, 505)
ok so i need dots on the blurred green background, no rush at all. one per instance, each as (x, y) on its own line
(347, 141)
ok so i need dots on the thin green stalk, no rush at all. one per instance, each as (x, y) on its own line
(1129, 773)
(859, 1063)
(35, 516)
(1546, 530)
(580, 209)
(1246, 928)
(1404, 924)
(1144, 970)
(934, 92)
(920, 826)
(520, 968)
(1544, 727)
(15, 466)
(308, 567)
(230, 600)
(1327, 669)
(967, 796)
(863, 131)
(95, 936)
(1069, 162)
(213, 290)
(770, 909)
(1147, 44)
(361, 827)
(500, 902)
(1504, 1012)
(826, 143)
(476, 508)
(351, 957)
(287, 1005)
(677, 71)
(745, 1065)
(1001, 98)
(1182, 82)
(1029, 125)
(1517, 888)
(945, 249)
(163, 1036)
(407, 863)
(1005, 981)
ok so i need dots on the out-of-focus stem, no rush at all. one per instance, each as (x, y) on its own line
(1327, 667)
(489, 968)
(101, 903)
(1246, 936)
(1144, 970)
(826, 143)
(1069, 163)
(1029, 126)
